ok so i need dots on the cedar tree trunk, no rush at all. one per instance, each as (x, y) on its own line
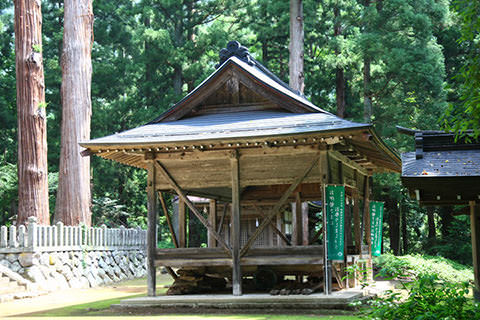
(340, 74)
(32, 124)
(73, 195)
(297, 76)
(431, 223)
(367, 99)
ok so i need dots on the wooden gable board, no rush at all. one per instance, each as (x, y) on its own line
(232, 79)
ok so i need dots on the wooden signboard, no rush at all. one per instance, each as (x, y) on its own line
(335, 205)
(376, 223)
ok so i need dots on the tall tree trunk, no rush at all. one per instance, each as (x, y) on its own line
(177, 68)
(297, 76)
(367, 98)
(404, 232)
(446, 219)
(32, 124)
(394, 226)
(431, 223)
(73, 195)
(340, 74)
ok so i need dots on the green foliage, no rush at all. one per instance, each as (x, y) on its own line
(415, 266)
(8, 191)
(108, 212)
(428, 298)
(465, 115)
(357, 271)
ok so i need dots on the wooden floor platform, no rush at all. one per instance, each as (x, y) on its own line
(339, 300)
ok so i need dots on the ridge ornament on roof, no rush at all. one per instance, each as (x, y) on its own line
(234, 48)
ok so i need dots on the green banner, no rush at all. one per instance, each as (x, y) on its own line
(376, 226)
(335, 205)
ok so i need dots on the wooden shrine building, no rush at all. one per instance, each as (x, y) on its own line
(442, 171)
(259, 151)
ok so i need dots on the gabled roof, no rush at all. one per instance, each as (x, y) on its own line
(249, 124)
(254, 74)
(242, 104)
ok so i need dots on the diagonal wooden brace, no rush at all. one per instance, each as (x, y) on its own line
(169, 221)
(274, 211)
(274, 227)
(192, 207)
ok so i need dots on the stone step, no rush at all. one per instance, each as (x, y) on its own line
(20, 295)
(4, 281)
(11, 288)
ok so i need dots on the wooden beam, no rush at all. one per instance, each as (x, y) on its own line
(151, 229)
(475, 231)
(212, 217)
(182, 225)
(280, 227)
(222, 219)
(348, 162)
(169, 221)
(235, 228)
(274, 211)
(316, 236)
(192, 207)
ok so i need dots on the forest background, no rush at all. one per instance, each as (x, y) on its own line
(147, 54)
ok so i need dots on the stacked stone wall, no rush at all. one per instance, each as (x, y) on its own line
(59, 257)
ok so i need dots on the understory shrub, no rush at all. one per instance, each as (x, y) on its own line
(427, 298)
(414, 266)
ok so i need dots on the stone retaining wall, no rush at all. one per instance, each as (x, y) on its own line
(76, 269)
(58, 257)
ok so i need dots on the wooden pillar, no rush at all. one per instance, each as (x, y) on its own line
(297, 223)
(357, 222)
(281, 227)
(181, 224)
(212, 218)
(475, 232)
(366, 222)
(325, 176)
(235, 229)
(306, 235)
(151, 229)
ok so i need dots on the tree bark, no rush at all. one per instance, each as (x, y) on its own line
(32, 123)
(367, 99)
(431, 223)
(446, 219)
(339, 74)
(296, 73)
(394, 226)
(73, 195)
(404, 232)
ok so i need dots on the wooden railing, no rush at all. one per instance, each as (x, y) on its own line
(62, 238)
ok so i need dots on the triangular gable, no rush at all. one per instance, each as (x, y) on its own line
(237, 86)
